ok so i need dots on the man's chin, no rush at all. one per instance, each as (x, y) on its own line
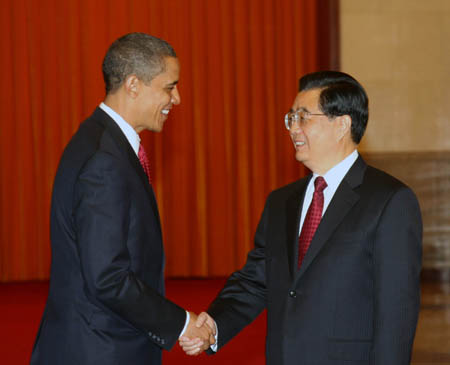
(299, 156)
(156, 128)
(159, 127)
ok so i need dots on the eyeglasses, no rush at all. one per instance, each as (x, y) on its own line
(300, 116)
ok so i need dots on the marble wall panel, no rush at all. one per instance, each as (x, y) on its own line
(400, 51)
(428, 174)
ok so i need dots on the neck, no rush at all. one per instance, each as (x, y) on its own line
(121, 107)
(335, 158)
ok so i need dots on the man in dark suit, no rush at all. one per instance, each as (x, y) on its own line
(106, 302)
(337, 254)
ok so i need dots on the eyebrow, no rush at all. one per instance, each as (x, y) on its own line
(302, 109)
(173, 83)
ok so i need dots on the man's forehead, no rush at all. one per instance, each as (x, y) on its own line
(172, 63)
(306, 99)
(171, 71)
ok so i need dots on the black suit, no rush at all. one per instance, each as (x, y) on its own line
(106, 301)
(355, 299)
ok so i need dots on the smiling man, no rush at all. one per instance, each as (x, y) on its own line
(337, 254)
(106, 302)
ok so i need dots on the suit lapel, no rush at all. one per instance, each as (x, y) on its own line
(125, 147)
(343, 200)
(293, 214)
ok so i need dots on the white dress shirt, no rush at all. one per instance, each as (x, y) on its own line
(135, 141)
(333, 178)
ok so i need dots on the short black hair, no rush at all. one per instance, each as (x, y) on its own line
(340, 94)
(134, 53)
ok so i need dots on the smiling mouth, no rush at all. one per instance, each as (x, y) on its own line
(299, 144)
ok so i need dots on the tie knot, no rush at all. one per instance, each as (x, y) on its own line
(320, 184)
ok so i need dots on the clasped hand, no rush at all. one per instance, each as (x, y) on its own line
(199, 334)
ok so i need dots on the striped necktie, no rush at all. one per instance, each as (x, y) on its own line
(312, 219)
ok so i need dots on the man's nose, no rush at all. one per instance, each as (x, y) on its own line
(175, 97)
(295, 128)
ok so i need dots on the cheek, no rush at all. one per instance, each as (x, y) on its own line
(161, 102)
(327, 142)
(152, 108)
(310, 135)
(320, 136)
(166, 100)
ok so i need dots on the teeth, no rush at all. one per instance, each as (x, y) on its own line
(299, 143)
(165, 111)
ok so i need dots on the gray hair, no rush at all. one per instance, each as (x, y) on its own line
(134, 53)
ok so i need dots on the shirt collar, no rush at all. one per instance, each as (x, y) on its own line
(130, 133)
(335, 175)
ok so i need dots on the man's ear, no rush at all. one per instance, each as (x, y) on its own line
(132, 85)
(344, 125)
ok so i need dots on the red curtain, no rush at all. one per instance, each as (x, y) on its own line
(222, 150)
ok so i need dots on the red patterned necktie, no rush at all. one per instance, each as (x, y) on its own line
(312, 219)
(143, 159)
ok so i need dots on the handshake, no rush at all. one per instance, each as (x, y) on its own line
(200, 334)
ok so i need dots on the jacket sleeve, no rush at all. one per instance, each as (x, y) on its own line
(102, 218)
(243, 297)
(397, 264)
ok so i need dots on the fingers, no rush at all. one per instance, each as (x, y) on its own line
(201, 319)
(191, 347)
(205, 319)
(192, 351)
(212, 340)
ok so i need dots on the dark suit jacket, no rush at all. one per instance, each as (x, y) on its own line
(355, 299)
(106, 300)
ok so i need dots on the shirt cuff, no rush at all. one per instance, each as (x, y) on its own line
(216, 336)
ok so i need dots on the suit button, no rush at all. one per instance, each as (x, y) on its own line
(293, 294)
